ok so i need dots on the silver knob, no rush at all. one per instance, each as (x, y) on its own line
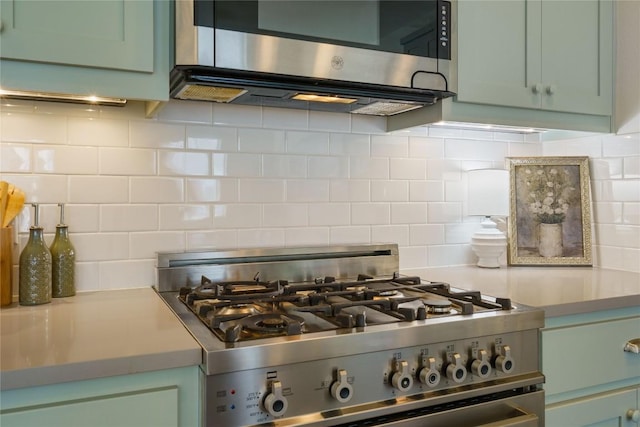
(275, 403)
(633, 415)
(481, 366)
(429, 375)
(551, 89)
(402, 379)
(504, 362)
(456, 371)
(341, 390)
(536, 88)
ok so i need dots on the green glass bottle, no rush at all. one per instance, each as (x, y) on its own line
(63, 258)
(35, 268)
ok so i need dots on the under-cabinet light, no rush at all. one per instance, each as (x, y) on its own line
(62, 97)
(323, 98)
(487, 127)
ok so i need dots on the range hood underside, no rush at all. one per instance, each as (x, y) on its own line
(274, 90)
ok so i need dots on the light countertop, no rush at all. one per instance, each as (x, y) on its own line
(560, 291)
(91, 335)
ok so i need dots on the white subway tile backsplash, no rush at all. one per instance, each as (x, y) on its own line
(350, 190)
(368, 168)
(389, 191)
(307, 190)
(329, 214)
(212, 138)
(349, 235)
(428, 148)
(307, 236)
(184, 163)
(150, 134)
(343, 144)
(285, 215)
(236, 165)
(98, 132)
(284, 166)
(261, 141)
(261, 190)
(34, 128)
(157, 190)
(15, 158)
(146, 245)
(282, 118)
(127, 161)
(389, 146)
(328, 167)
(329, 122)
(237, 216)
(223, 190)
(185, 217)
(212, 239)
(415, 169)
(398, 234)
(261, 238)
(409, 213)
(128, 217)
(300, 142)
(237, 115)
(370, 214)
(186, 112)
(202, 176)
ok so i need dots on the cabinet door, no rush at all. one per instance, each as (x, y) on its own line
(604, 410)
(496, 57)
(577, 56)
(111, 34)
(153, 408)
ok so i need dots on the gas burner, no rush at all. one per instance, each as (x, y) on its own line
(270, 323)
(234, 290)
(237, 309)
(437, 305)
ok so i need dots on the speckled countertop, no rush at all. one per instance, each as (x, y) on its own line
(560, 291)
(91, 335)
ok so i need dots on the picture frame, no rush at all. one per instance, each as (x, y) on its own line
(549, 211)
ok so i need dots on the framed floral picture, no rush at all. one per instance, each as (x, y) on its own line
(550, 211)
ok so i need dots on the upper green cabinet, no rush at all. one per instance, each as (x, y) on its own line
(551, 55)
(117, 48)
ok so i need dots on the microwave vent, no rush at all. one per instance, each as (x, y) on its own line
(383, 108)
(210, 93)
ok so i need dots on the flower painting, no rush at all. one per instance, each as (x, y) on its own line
(549, 211)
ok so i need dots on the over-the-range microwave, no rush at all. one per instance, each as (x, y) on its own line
(379, 57)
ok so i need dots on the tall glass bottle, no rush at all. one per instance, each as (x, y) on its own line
(63, 258)
(35, 268)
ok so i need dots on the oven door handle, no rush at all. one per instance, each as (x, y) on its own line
(524, 420)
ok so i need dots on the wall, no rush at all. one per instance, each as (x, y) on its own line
(203, 175)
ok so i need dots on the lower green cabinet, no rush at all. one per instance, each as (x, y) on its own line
(590, 379)
(155, 399)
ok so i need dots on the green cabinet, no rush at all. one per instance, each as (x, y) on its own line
(590, 378)
(529, 63)
(161, 398)
(115, 48)
(550, 55)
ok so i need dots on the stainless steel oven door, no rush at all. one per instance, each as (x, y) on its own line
(524, 410)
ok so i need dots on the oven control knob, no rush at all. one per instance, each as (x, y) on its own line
(275, 403)
(481, 366)
(402, 379)
(504, 362)
(456, 371)
(341, 390)
(429, 375)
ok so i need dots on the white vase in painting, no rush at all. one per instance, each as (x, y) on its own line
(550, 244)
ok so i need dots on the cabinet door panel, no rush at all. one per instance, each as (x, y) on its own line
(145, 408)
(100, 33)
(606, 410)
(577, 56)
(494, 53)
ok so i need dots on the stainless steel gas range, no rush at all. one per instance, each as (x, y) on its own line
(334, 336)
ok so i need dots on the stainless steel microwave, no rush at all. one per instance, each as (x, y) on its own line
(380, 57)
